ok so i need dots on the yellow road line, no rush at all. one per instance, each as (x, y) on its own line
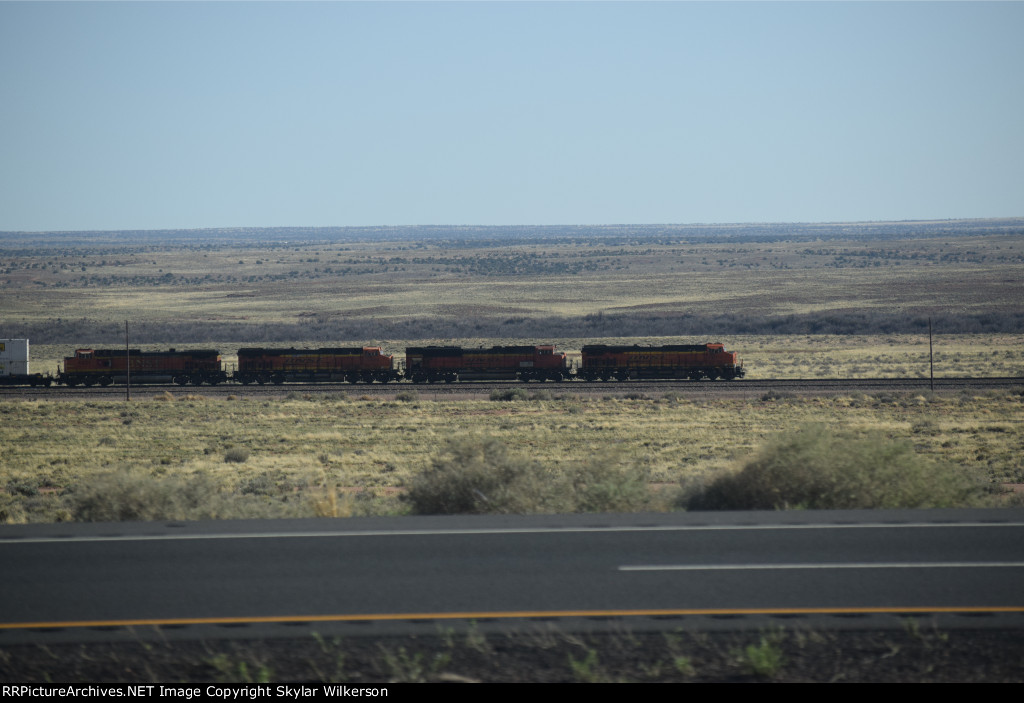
(511, 615)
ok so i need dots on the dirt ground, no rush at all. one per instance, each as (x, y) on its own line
(912, 654)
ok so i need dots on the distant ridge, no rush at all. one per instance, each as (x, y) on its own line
(751, 232)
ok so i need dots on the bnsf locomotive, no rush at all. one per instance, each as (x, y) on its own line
(599, 362)
(90, 367)
(448, 364)
(356, 365)
(693, 361)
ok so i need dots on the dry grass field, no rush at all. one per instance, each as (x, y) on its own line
(202, 457)
(258, 287)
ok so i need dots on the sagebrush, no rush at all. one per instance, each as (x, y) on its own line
(817, 468)
(481, 475)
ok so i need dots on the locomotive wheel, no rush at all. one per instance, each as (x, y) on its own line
(90, 381)
(197, 380)
(181, 380)
(106, 381)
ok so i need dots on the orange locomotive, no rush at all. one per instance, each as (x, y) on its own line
(449, 364)
(355, 365)
(106, 366)
(694, 361)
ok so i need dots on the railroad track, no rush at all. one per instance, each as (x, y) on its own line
(477, 389)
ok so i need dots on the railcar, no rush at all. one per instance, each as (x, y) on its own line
(90, 367)
(354, 365)
(14, 368)
(509, 363)
(606, 362)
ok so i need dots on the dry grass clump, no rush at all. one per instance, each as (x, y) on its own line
(474, 476)
(482, 476)
(816, 468)
(510, 394)
(134, 495)
(236, 455)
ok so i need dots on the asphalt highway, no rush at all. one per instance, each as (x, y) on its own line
(79, 578)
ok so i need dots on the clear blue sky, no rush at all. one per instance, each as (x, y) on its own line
(144, 115)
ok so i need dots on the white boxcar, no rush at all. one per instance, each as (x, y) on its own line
(14, 357)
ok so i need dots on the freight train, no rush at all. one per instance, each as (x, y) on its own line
(542, 362)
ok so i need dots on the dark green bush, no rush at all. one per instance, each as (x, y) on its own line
(817, 468)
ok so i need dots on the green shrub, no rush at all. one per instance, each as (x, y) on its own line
(481, 476)
(763, 659)
(132, 494)
(605, 485)
(820, 469)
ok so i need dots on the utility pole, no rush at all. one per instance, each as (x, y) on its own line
(931, 360)
(127, 365)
